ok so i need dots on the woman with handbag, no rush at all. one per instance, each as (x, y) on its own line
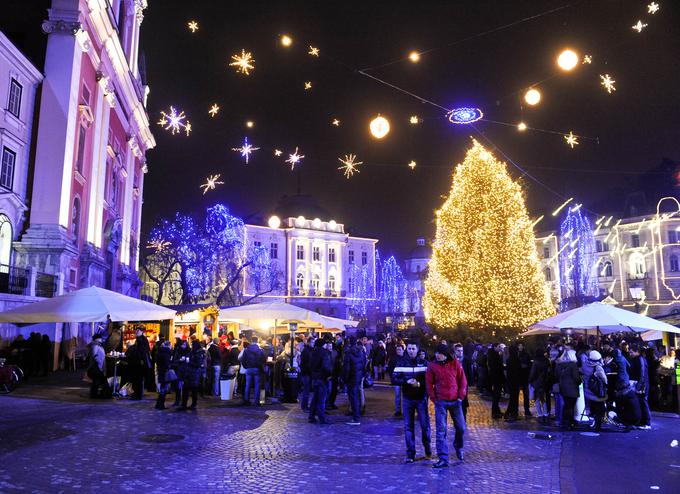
(166, 375)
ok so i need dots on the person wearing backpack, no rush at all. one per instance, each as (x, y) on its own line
(595, 389)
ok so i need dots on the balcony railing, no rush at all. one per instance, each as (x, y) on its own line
(28, 281)
(45, 285)
(14, 280)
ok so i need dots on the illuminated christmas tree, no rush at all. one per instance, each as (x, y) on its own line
(484, 273)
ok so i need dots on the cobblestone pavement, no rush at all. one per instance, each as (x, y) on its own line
(69, 444)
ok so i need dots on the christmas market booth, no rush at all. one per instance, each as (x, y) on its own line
(199, 319)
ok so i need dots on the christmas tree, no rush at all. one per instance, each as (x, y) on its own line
(484, 273)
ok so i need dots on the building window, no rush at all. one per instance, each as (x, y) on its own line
(300, 252)
(546, 252)
(548, 274)
(80, 156)
(300, 281)
(114, 189)
(635, 240)
(605, 247)
(674, 263)
(257, 244)
(5, 240)
(351, 257)
(364, 258)
(75, 219)
(316, 254)
(637, 266)
(672, 236)
(331, 283)
(315, 283)
(608, 270)
(274, 250)
(331, 255)
(7, 173)
(598, 245)
(14, 103)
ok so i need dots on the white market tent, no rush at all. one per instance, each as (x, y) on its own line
(91, 304)
(602, 317)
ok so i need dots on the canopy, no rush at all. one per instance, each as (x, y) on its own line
(603, 317)
(267, 314)
(91, 304)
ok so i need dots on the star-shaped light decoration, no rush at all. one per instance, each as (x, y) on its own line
(210, 183)
(213, 110)
(571, 139)
(652, 8)
(158, 244)
(294, 159)
(349, 165)
(412, 164)
(639, 26)
(243, 62)
(278, 152)
(193, 26)
(414, 120)
(336, 122)
(174, 121)
(313, 51)
(188, 128)
(246, 149)
(587, 59)
(608, 83)
(308, 85)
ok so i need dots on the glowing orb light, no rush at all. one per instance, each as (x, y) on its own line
(332, 225)
(380, 127)
(300, 221)
(250, 124)
(521, 126)
(414, 57)
(286, 40)
(316, 223)
(567, 60)
(274, 222)
(532, 97)
(463, 116)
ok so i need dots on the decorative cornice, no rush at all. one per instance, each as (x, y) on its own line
(61, 27)
(140, 5)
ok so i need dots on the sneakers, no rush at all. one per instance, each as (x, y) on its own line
(353, 422)
(441, 464)
(644, 427)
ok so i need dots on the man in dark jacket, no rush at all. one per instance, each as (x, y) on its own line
(640, 373)
(305, 375)
(192, 380)
(496, 377)
(215, 363)
(447, 387)
(138, 357)
(397, 389)
(354, 365)
(252, 361)
(320, 367)
(409, 373)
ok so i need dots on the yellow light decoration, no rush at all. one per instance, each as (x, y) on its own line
(308, 85)
(652, 8)
(313, 51)
(278, 152)
(414, 57)
(250, 124)
(557, 211)
(521, 126)
(213, 110)
(638, 26)
(336, 122)
(243, 62)
(412, 165)
(188, 128)
(537, 220)
(532, 97)
(567, 60)
(485, 272)
(193, 26)
(286, 40)
(210, 183)
(571, 139)
(380, 127)
(608, 83)
(587, 59)
(414, 120)
(349, 165)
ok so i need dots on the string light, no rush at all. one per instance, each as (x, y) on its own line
(567, 60)
(557, 211)
(246, 149)
(158, 244)
(210, 183)
(587, 59)
(213, 110)
(379, 127)
(652, 8)
(412, 164)
(465, 115)
(608, 83)
(308, 85)
(579, 280)
(336, 122)
(571, 139)
(521, 126)
(250, 124)
(349, 165)
(537, 220)
(174, 121)
(414, 120)
(639, 26)
(294, 159)
(532, 97)
(193, 26)
(187, 128)
(313, 51)
(286, 40)
(244, 62)
(414, 57)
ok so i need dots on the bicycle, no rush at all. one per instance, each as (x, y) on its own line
(10, 377)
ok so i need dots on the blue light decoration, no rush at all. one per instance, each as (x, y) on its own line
(360, 290)
(578, 273)
(465, 115)
(392, 288)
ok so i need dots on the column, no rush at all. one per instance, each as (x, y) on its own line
(127, 207)
(98, 170)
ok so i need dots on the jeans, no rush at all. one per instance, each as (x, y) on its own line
(353, 396)
(410, 409)
(306, 382)
(318, 406)
(541, 406)
(441, 410)
(215, 379)
(645, 412)
(252, 374)
(559, 405)
(397, 399)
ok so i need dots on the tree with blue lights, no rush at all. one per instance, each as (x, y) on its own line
(577, 260)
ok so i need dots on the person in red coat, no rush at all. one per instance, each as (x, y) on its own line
(447, 387)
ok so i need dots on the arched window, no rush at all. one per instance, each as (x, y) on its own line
(331, 283)
(674, 263)
(548, 274)
(608, 270)
(75, 218)
(316, 280)
(637, 266)
(300, 281)
(5, 239)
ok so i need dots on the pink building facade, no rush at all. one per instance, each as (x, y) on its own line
(93, 132)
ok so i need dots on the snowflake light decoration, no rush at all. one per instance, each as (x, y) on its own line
(639, 26)
(412, 164)
(652, 8)
(587, 59)
(188, 128)
(210, 183)
(193, 26)
(294, 159)
(336, 122)
(244, 62)
(571, 139)
(414, 120)
(349, 165)
(308, 85)
(278, 152)
(313, 51)
(608, 83)
(465, 116)
(158, 244)
(174, 121)
(213, 110)
(246, 149)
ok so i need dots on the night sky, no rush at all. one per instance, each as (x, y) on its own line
(638, 125)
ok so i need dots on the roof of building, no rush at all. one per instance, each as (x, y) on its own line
(420, 252)
(301, 205)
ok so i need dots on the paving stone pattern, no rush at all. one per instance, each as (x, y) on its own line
(51, 445)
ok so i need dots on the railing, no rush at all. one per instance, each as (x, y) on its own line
(13, 280)
(45, 285)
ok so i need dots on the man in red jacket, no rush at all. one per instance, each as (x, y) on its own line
(447, 387)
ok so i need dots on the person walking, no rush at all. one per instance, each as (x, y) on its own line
(253, 361)
(446, 386)
(96, 368)
(321, 368)
(525, 368)
(569, 380)
(409, 373)
(513, 381)
(378, 360)
(354, 367)
(496, 377)
(538, 380)
(639, 373)
(305, 374)
(459, 354)
(215, 366)
(180, 363)
(195, 370)
(595, 388)
(163, 358)
(397, 389)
